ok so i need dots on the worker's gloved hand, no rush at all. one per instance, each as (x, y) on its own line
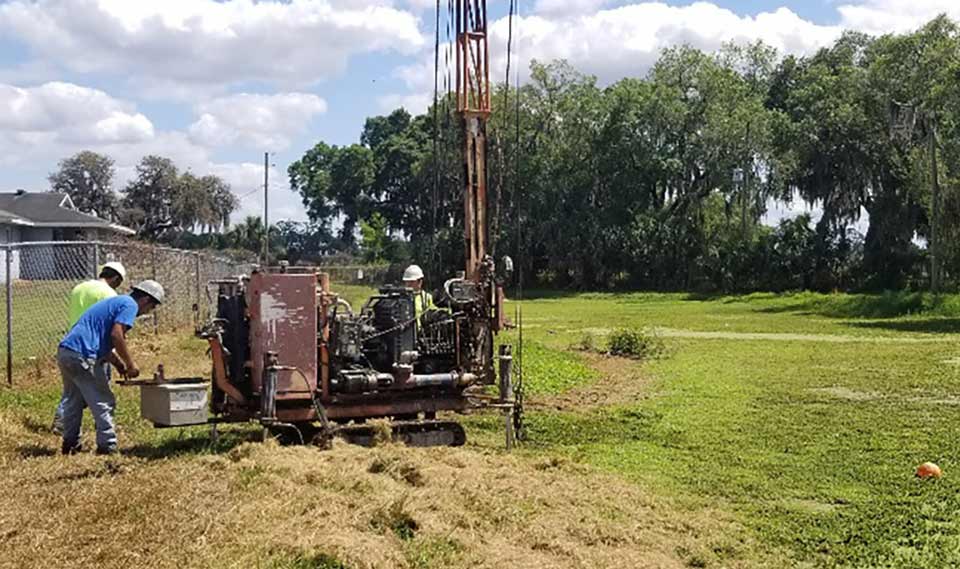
(133, 372)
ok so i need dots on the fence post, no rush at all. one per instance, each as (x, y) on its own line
(96, 260)
(153, 275)
(9, 266)
(196, 275)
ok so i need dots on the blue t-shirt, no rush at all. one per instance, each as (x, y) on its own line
(90, 336)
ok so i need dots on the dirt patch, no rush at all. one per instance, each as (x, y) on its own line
(774, 336)
(622, 382)
(847, 394)
(785, 337)
(468, 508)
(935, 400)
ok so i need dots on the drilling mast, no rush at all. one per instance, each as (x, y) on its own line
(473, 106)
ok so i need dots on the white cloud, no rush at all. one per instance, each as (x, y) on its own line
(414, 103)
(562, 8)
(884, 16)
(266, 122)
(421, 5)
(69, 113)
(43, 124)
(208, 43)
(626, 41)
(119, 127)
(246, 179)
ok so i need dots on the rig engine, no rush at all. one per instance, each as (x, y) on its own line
(290, 353)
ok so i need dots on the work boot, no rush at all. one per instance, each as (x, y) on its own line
(71, 449)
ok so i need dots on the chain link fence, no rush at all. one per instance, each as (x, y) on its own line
(368, 275)
(38, 277)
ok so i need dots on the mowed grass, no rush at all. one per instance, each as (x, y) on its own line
(561, 318)
(777, 430)
(809, 440)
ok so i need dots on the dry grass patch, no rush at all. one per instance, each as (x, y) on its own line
(260, 505)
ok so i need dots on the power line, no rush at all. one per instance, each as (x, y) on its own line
(249, 194)
(436, 142)
(519, 393)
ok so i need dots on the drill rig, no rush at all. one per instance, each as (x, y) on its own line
(289, 353)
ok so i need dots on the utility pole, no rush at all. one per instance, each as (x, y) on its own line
(747, 202)
(746, 195)
(266, 209)
(740, 189)
(934, 207)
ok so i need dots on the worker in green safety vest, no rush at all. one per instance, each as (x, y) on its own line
(423, 301)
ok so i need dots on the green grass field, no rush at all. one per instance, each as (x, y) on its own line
(798, 419)
(804, 415)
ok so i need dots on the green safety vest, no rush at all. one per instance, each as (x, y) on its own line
(85, 295)
(422, 302)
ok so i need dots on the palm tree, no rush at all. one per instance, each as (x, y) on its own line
(247, 234)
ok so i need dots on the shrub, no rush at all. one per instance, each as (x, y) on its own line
(631, 343)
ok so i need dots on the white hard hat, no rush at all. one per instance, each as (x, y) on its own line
(413, 273)
(151, 289)
(116, 267)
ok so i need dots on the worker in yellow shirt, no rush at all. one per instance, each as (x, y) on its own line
(423, 301)
(82, 297)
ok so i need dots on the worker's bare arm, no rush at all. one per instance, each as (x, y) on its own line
(118, 363)
(119, 337)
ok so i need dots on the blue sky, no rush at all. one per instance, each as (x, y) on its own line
(214, 84)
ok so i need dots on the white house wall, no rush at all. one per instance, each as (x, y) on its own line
(10, 234)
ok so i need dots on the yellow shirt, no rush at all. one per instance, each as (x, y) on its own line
(422, 302)
(85, 295)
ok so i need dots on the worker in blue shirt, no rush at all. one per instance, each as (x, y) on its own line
(86, 353)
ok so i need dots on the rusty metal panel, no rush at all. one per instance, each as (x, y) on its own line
(283, 319)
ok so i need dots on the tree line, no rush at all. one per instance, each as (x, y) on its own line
(168, 205)
(663, 182)
(159, 201)
(162, 203)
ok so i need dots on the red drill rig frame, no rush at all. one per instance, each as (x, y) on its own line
(290, 353)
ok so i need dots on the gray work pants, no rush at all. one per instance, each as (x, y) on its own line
(86, 382)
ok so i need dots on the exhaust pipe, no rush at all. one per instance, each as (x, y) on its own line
(452, 379)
